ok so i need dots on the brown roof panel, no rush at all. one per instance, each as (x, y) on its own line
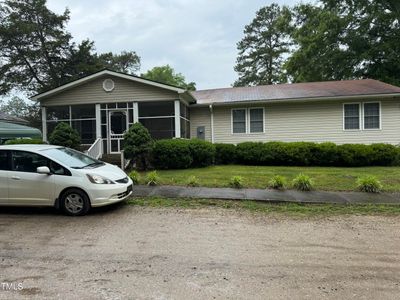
(295, 91)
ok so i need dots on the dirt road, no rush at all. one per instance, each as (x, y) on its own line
(142, 253)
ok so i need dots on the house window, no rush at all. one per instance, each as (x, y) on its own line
(372, 115)
(351, 116)
(256, 120)
(238, 120)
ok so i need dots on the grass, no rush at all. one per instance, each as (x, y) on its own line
(289, 209)
(324, 178)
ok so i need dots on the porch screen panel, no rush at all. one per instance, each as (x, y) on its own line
(158, 117)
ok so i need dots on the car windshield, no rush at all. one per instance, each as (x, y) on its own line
(72, 158)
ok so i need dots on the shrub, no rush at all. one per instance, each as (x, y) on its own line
(65, 135)
(192, 181)
(369, 184)
(23, 141)
(171, 154)
(138, 145)
(236, 182)
(152, 178)
(354, 155)
(383, 154)
(225, 154)
(202, 152)
(277, 182)
(134, 175)
(250, 152)
(302, 183)
(325, 154)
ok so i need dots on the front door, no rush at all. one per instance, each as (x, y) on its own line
(118, 125)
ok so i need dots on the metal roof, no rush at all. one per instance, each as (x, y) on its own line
(11, 130)
(12, 119)
(296, 91)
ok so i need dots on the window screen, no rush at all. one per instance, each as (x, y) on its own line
(256, 120)
(371, 116)
(351, 116)
(239, 121)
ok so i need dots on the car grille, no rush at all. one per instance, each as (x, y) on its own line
(126, 193)
(123, 180)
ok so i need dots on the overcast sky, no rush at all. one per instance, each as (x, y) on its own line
(196, 37)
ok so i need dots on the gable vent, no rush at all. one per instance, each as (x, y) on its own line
(108, 85)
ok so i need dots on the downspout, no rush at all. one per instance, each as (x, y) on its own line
(212, 123)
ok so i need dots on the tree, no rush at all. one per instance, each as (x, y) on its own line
(37, 52)
(264, 46)
(137, 145)
(166, 74)
(18, 107)
(65, 135)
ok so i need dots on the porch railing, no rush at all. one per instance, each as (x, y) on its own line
(96, 150)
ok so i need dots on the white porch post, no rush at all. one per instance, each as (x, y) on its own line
(98, 121)
(177, 119)
(44, 124)
(135, 112)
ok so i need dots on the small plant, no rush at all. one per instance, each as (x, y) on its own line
(369, 184)
(277, 182)
(134, 175)
(152, 178)
(302, 183)
(192, 181)
(236, 182)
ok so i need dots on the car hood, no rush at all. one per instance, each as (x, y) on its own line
(109, 171)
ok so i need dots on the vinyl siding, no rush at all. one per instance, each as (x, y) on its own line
(125, 90)
(307, 121)
(200, 116)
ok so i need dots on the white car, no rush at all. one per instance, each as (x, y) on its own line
(45, 175)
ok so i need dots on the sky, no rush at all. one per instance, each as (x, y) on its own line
(196, 37)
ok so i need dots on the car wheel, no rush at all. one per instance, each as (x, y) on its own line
(74, 202)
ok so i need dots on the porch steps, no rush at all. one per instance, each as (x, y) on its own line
(114, 159)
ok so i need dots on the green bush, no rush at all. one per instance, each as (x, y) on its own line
(354, 155)
(236, 182)
(138, 145)
(23, 141)
(192, 181)
(302, 183)
(225, 154)
(384, 154)
(134, 175)
(202, 152)
(65, 135)
(369, 184)
(277, 182)
(172, 154)
(152, 178)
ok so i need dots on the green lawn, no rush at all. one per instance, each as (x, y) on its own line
(325, 178)
(289, 209)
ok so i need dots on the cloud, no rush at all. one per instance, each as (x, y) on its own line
(198, 38)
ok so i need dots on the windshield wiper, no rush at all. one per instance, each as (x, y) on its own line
(92, 165)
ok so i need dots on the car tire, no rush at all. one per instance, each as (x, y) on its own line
(74, 202)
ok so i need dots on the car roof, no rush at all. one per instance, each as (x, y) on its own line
(28, 147)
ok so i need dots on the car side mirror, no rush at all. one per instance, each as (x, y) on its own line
(43, 170)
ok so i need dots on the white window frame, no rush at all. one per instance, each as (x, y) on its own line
(360, 118)
(380, 116)
(263, 119)
(245, 121)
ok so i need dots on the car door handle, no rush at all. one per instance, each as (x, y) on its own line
(15, 177)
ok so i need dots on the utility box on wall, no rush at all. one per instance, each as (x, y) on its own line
(201, 132)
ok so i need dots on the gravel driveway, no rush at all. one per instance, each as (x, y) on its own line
(129, 252)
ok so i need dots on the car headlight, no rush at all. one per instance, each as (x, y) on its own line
(97, 179)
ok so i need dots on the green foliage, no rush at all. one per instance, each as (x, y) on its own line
(302, 183)
(152, 178)
(225, 154)
(236, 182)
(166, 74)
(134, 176)
(138, 145)
(172, 154)
(277, 182)
(265, 44)
(65, 135)
(192, 181)
(18, 107)
(202, 152)
(369, 184)
(126, 61)
(23, 141)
